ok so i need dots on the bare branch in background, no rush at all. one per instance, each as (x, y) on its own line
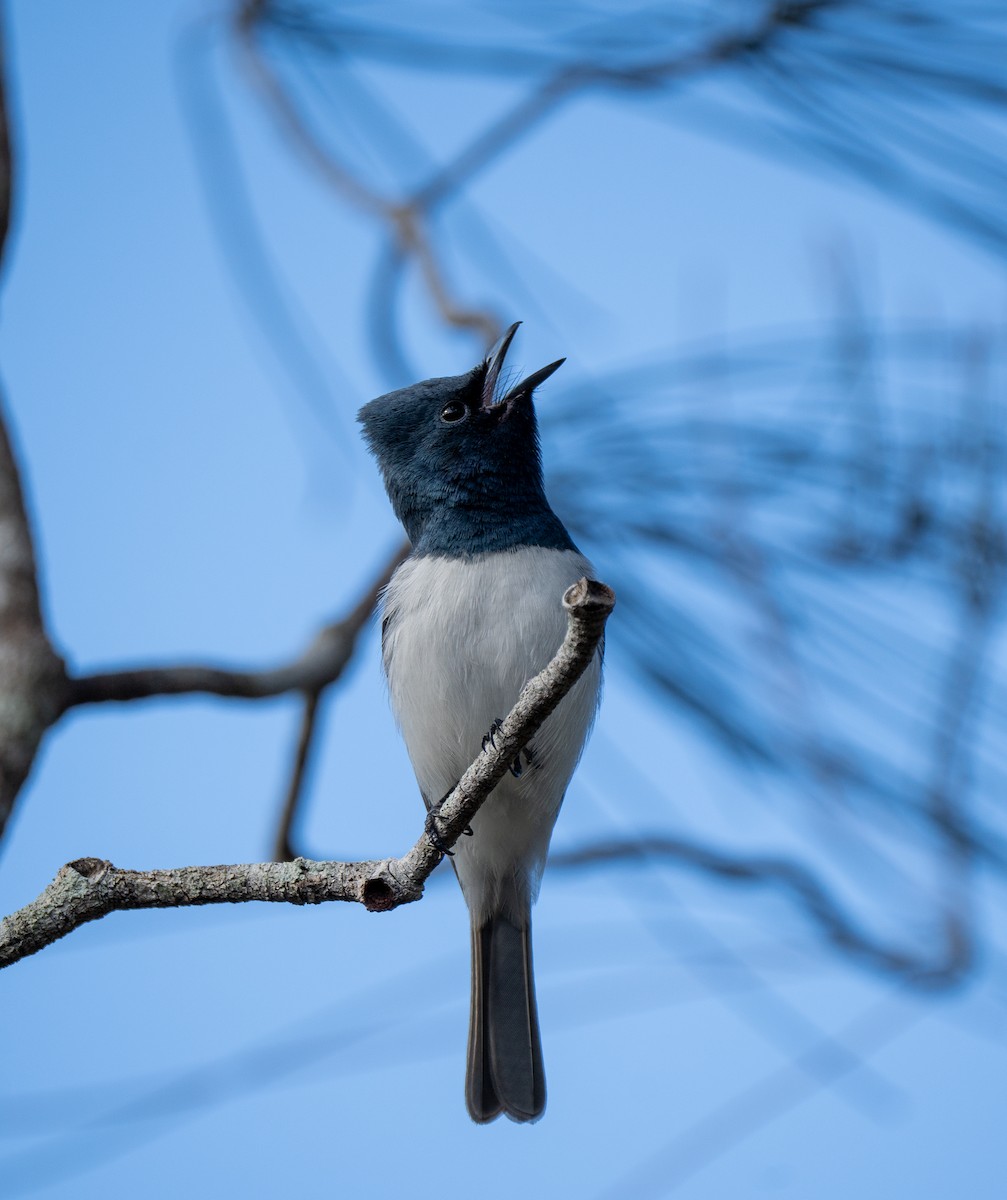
(792, 879)
(91, 888)
(863, 85)
(32, 677)
(283, 846)
(408, 217)
(314, 671)
(321, 664)
(405, 219)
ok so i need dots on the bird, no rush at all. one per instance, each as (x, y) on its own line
(471, 614)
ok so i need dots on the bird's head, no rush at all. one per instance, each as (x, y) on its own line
(462, 449)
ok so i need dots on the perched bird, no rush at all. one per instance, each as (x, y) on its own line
(472, 614)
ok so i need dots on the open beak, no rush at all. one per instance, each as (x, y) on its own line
(494, 364)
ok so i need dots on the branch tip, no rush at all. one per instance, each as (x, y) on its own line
(589, 596)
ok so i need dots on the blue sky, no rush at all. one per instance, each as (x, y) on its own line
(190, 503)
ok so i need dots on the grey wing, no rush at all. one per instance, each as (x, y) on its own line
(387, 625)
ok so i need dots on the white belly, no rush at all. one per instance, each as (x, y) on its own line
(462, 638)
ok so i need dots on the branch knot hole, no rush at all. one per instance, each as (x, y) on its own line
(92, 869)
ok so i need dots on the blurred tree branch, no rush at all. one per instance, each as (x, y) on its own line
(404, 219)
(320, 664)
(32, 677)
(796, 882)
(316, 669)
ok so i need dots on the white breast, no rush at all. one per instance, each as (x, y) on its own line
(462, 637)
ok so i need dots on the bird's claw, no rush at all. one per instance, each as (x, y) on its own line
(490, 738)
(433, 833)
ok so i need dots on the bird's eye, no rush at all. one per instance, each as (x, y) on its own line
(454, 412)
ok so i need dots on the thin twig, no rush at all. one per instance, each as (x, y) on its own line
(246, 19)
(90, 888)
(405, 219)
(283, 850)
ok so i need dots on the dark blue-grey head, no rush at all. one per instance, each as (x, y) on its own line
(462, 465)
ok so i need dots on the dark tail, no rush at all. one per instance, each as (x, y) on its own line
(505, 1072)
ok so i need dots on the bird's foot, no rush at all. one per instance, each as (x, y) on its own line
(491, 736)
(490, 739)
(433, 833)
(518, 768)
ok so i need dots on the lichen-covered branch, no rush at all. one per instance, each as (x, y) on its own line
(90, 888)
